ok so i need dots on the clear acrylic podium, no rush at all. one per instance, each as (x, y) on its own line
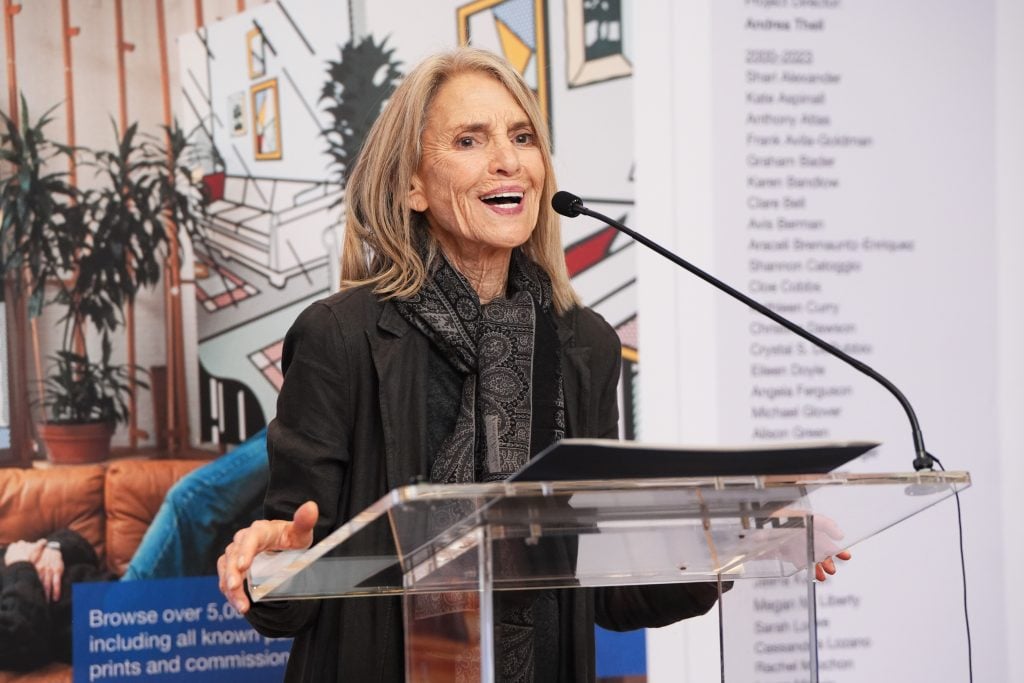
(447, 549)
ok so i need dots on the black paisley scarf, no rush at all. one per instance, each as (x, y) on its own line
(511, 408)
(512, 404)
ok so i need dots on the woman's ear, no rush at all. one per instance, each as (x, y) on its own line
(417, 197)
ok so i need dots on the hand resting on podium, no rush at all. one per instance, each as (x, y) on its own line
(792, 548)
(826, 532)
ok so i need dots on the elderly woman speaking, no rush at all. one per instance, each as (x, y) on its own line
(456, 350)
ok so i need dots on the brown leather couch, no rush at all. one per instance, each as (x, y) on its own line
(111, 505)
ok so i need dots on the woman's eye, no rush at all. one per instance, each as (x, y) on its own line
(524, 138)
(465, 142)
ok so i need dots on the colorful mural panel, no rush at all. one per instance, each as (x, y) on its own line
(294, 74)
(515, 29)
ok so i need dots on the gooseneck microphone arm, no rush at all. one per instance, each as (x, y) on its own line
(570, 206)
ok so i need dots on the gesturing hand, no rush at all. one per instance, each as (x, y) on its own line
(260, 536)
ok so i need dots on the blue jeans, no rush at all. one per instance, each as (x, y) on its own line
(202, 512)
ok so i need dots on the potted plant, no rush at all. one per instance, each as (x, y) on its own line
(119, 254)
(85, 401)
(96, 249)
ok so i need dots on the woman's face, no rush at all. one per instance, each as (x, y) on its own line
(481, 173)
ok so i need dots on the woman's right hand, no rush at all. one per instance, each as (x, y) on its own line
(262, 535)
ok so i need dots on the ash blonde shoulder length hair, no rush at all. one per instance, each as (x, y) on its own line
(379, 248)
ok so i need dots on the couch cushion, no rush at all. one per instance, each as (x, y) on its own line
(37, 502)
(51, 673)
(134, 491)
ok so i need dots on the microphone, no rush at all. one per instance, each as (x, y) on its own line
(567, 204)
(570, 206)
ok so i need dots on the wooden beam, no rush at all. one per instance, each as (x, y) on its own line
(10, 10)
(177, 406)
(67, 33)
(121, 47)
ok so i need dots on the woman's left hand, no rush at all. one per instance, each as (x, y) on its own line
(827, 535)
(50, 568)
(828, 565)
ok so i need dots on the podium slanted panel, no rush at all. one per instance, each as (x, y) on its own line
(447, 548)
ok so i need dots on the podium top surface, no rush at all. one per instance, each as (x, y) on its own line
(433, 538)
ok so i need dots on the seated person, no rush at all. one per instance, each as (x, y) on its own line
(35, 597)
(184, 539)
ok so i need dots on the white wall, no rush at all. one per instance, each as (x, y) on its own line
(672, 110)
(934, 320)
(1010, 240)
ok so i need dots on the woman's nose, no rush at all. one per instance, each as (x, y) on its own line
(504, 158)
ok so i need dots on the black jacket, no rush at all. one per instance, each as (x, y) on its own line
(351, 425)
(33, 631)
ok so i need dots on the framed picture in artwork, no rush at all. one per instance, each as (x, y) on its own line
(257, 53)
(266, 120)
(595, 36)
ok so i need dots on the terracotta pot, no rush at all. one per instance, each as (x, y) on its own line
(76, 444)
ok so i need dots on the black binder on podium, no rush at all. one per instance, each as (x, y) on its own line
(589, 459)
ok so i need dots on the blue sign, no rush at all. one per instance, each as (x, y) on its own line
(168, 630)
(620, 653)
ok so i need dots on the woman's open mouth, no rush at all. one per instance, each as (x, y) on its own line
(503, 198)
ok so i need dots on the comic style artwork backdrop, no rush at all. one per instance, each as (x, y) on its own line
(278, 99)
